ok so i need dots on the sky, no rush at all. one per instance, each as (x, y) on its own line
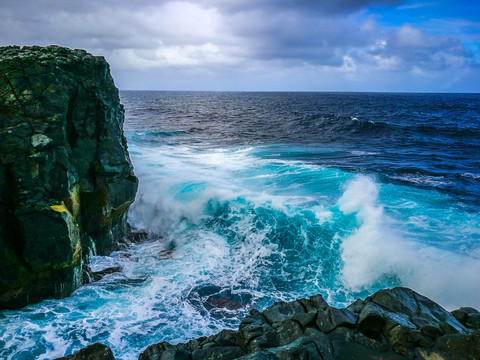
(263, 45)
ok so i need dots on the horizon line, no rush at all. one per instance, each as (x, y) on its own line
(309, 91)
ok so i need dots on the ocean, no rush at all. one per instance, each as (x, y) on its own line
(252, 198)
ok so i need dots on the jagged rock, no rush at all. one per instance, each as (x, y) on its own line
(138, 236)
(391, 324)
(468, 316)
(371, 321)
(97, 351)
(98, 275)
(221, 346)
(461, 346)
(66, 180)
(283, 311)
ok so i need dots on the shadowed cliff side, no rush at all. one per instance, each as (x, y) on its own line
(66, 180)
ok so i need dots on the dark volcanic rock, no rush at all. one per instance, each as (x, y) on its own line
(391, 324)
(66, 180)
(468, 316)
(97, 351)
(98, 275)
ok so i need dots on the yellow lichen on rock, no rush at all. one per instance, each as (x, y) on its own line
(59, 208)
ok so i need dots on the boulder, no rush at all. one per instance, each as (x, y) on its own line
(468, 316)
(66, 180)
(97, 351)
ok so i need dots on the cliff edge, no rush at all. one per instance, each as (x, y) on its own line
(66, 180)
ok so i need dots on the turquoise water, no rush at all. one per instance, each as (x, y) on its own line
(238, 224)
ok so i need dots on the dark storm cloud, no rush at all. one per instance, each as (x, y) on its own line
(109, 22)
(305, 37)
(220, 38)
(316, 6)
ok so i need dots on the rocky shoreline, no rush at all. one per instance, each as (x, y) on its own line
(66, 183)
(391, 324)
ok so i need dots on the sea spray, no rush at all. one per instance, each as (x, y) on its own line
(376, 251)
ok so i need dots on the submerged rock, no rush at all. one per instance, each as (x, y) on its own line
(66, 180)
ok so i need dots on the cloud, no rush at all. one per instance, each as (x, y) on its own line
(224, 38)
(408, 48)
(305, 6)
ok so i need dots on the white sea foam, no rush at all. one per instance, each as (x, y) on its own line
(471, 176)
(375, 249)
(265, 229)
(423, 179)
(362, 153)
(176, 188)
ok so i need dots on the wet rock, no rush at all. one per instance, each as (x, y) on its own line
(260, 355)
(371, 320)
(400, 340)
(331, 318)
(98, 275)
(214, 298)
(165, 254)
(66, 180)
(347, 350)
(391, 324)
(138, 236)
(468, 316)
(255, 333)
(461, 346)
(223, 303)
(296, 351)
(164, 351)
(97, 351)
(282, 311)
(289, 331)
(342, 317)
(415, 310)
(473, 321)
(222, 346)
(218, 353)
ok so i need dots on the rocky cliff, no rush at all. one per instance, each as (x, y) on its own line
(66, 180)
(390, 324)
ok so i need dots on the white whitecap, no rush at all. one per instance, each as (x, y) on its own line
(377, 249)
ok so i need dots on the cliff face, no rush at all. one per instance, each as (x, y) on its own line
(66, 180)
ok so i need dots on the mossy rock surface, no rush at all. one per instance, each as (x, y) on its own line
(66, 180)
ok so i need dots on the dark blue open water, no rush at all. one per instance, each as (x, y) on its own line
(250, 198)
